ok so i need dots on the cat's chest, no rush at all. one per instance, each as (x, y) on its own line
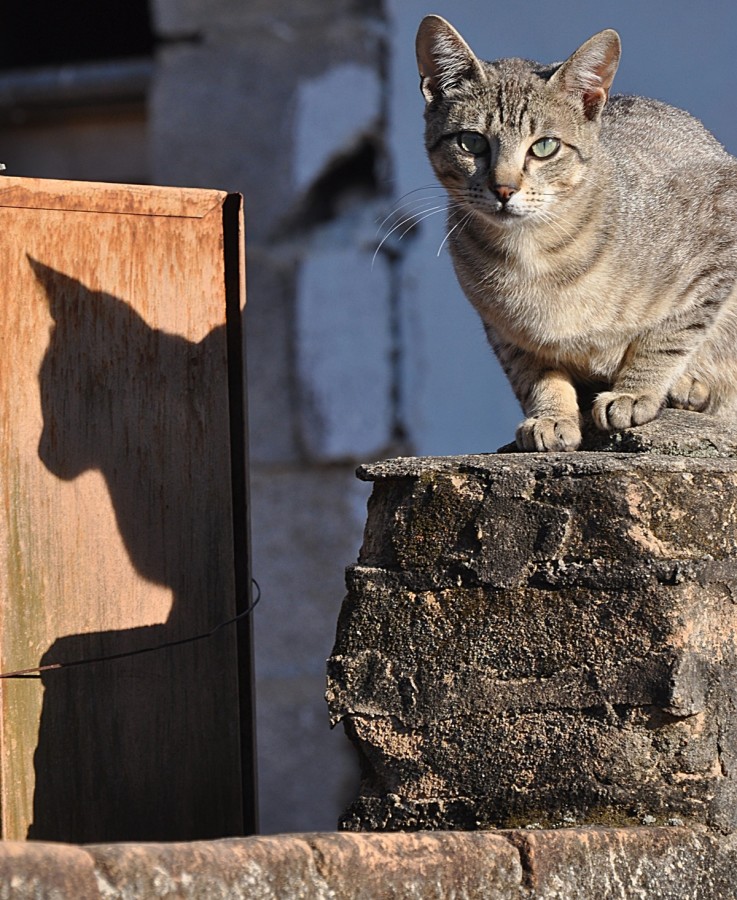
(532, 303)
(539, 288)
(583, 325)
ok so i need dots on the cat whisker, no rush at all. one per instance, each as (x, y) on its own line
(424, 187)
(553, 221)
(415, 205)
(410, 221)
(433, 194)
(461, 223)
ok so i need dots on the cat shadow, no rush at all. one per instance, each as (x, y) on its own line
(128, 749)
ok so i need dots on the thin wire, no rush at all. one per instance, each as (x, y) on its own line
(38, 670)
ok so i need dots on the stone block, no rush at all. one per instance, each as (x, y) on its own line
(183, 18)
(263, 868)
(294, 562)
(212, 122)
(335, 111)
(314, 867)
(306, 773)
(566, 864)
(268, 321)
(176, 18)
(29, 871)
(226, 111)
(427, 866)
(544, 638)
(586, 863)
(344, 350)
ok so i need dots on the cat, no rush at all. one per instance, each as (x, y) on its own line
(596, 236)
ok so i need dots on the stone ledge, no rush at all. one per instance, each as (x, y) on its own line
(569, 864)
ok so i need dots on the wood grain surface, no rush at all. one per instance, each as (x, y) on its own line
(116, 514)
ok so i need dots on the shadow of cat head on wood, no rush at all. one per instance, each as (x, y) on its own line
(133, 402)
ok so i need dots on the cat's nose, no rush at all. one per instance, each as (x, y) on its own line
(504, 192)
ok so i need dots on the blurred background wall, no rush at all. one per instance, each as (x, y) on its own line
(311, 109)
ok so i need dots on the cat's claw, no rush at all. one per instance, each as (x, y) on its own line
(689, 393)
(546, 433)
(614, 411)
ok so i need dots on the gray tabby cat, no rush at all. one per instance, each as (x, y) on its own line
(595, 236)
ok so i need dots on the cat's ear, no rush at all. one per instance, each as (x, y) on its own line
(46, 276)
(443, 57)
(589, 73)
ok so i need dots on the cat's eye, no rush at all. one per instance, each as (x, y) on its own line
(545, 148)
(473, 142)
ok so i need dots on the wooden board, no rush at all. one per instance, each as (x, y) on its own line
(117, 510)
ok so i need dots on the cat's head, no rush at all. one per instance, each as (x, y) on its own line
(511, 139)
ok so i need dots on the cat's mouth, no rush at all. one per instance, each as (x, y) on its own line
(508, 212)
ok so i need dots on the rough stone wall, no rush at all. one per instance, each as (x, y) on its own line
(534, 639)
(285, 102)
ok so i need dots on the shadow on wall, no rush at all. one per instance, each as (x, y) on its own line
(139, 748)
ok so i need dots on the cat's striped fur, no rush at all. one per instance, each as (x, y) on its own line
(596, 236)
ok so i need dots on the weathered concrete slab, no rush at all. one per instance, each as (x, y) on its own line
(255, 868)
(546, 639)
(315, 867)
(29, 871)
(657, 863)
(568, 864)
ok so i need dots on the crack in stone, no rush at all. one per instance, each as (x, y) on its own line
(526, 858)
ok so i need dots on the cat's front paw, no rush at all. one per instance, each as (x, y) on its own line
(689, 393)
(547, 433)
(614, 411)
